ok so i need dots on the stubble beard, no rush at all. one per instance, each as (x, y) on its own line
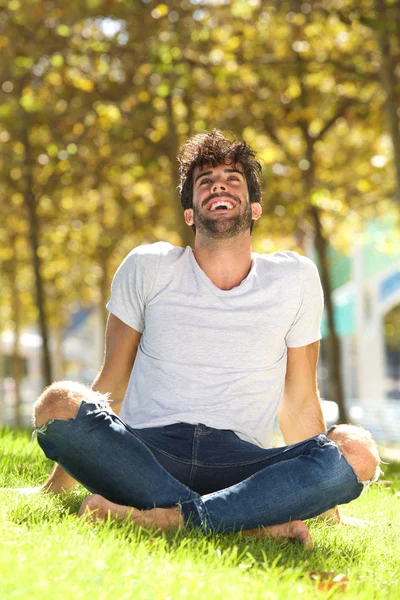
(224, 228)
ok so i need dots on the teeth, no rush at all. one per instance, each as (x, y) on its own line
(228, 205)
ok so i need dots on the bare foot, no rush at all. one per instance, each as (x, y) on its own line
(97, 508)
(295, 530)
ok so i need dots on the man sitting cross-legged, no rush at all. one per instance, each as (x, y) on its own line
(204, 348)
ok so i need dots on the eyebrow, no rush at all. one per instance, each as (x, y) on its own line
(225, 171)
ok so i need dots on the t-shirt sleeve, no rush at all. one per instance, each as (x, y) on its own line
(132, 285)
(306, 327)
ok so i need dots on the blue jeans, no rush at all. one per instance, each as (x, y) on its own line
(220, 482)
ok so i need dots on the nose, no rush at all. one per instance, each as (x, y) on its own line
(218, 185)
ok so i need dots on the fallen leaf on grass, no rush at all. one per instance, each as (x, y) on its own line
(354, 522)
(327, 580)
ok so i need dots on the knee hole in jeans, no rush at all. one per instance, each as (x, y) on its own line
(360, 451)
(62, 400)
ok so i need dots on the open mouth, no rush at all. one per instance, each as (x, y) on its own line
(221, 205)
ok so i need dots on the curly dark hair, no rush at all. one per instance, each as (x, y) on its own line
(213, 148)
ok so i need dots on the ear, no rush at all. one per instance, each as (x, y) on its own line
(256, 210)
(189, 216)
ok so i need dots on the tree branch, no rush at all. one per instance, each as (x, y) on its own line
(345, 103)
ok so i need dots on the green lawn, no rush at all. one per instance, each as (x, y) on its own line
(47, 552)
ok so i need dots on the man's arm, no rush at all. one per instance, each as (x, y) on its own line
(122, 343)
(300, 413)
(120, 352)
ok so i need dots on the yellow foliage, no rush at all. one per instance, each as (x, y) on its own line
(63, 30)
(15, 174)
(363, 185)
(140, 208)
(57, 60)
(233, 43)
(183, 128)
(142, 188)
(109, 112)
(54, 78)
(78, 128)
(161, 124)
(160, 104)
(18, 148)
(162, 10)
(44, 252)
(105, 151)
(14, 5)
(17, 199)
(268, 155)
(293, 90)
(6, 253)
(76, 78)
(144, 96)
(67, 203)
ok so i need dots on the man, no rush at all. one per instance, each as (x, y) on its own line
(203, 349)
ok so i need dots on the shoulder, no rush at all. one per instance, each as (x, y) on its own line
(150, 254)
(151, 250)
(285, 259)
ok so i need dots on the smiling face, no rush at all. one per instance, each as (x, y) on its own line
(221, 203)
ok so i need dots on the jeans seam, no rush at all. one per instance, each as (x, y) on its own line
(193, 468)
(197, 463)
(204, 515)
(163, 452)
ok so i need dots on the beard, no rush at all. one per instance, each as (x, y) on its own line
(224, 228)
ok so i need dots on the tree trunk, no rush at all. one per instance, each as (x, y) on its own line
(30, 203)
(16, 359)
(389, 81)
(2, 395)
(58, 356)
(183, 230)
(333, 343)
(104, 287)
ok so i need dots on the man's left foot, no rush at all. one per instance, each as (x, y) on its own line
(295, 531)
(97, 508)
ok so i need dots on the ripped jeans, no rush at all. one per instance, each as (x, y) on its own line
(219, 481)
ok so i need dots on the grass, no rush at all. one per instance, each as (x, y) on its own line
(47, 552)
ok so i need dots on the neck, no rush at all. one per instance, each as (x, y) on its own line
(226, 262)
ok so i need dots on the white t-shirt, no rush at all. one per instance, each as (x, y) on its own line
(208, 355)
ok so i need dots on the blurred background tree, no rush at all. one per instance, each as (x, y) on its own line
(96, 98)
